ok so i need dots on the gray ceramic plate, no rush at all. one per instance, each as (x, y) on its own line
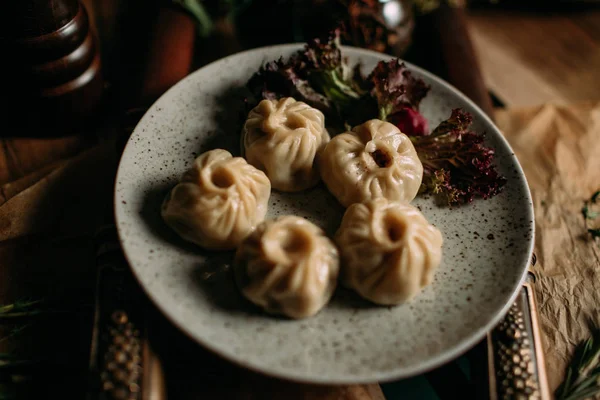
(486, 250)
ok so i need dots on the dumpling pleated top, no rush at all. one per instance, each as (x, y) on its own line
(373, 160)
(284, 138)
(287, 266)
(218, 201)
(389, 251)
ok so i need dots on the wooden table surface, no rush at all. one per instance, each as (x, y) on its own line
(530, 59)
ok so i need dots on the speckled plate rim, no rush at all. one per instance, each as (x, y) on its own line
(394, 374)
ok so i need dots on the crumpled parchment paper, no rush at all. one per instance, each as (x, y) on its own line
(559, 150)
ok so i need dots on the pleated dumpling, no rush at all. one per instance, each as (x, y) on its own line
(218, 201)
(284, 138)
(373, 160)
(287, 266)
(389, 251)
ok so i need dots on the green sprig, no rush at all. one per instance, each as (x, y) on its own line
(15, 331)
(583, 375)
(20, 306)
(203, 19)
(25, 308)
(587, 213)
(5, 394)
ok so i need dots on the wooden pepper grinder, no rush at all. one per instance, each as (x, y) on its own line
(52, 72)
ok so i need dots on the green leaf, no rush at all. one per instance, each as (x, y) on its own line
(582, 379)
(594, 232)
(585, 384)
(197, 10)
(15, 331)
(584, 394)
(587, 214)
(21, 305)
(5, 395)
(565, 387)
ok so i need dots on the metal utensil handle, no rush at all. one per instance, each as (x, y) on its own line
(122, 363)
(515, 354)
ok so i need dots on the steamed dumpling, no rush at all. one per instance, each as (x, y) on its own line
(287, 266)
(373, 160)
(389, 251)
(218, 202)
(284, 138)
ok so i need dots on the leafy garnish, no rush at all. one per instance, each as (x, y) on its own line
(582, 379)
(321, 62)
(315, 75)
(398, 94)
(410, 122)
(280, 79)
(457, 166)
(324, 53)
(319, 76)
